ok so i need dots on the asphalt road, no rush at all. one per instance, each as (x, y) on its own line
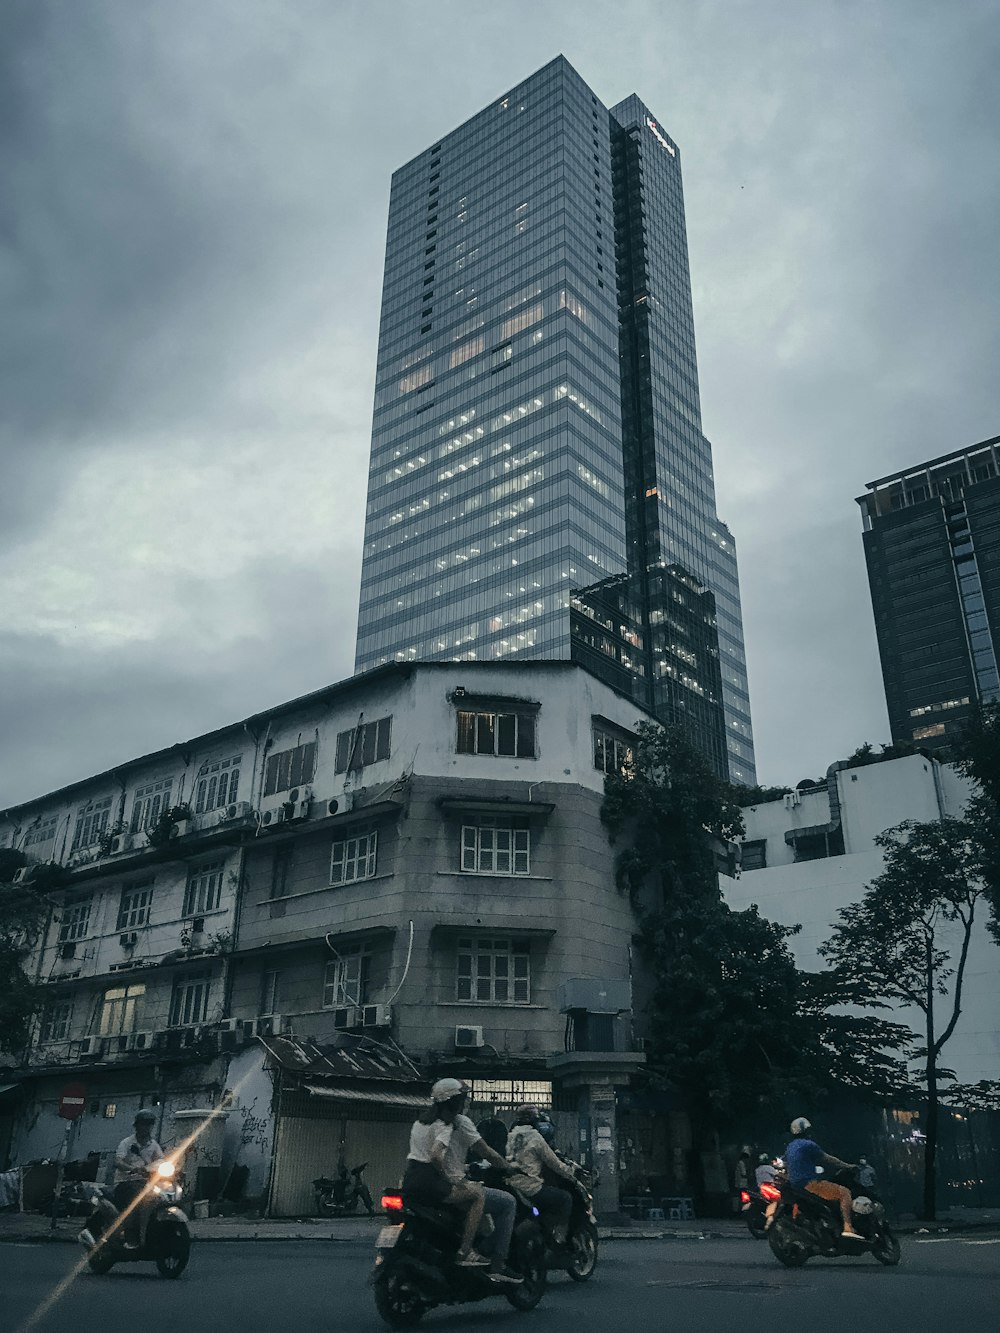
(663, 1286)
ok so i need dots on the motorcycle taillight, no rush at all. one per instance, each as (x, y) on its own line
(392, 1202)
(744, 1196)
(770, 1192)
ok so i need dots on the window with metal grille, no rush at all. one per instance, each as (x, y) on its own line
(189, 1000)
(510, 734)
(218, 784)
(91, 821)
(74, 921)
(133, 910)
(491, 970)
(56, 1020)
(149, 803)
(204, 889)
(496, 847)
(290, 768)
(120, 1009)
(354, 858)
(364, 745)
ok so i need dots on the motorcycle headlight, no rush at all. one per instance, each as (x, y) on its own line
(165, 1169)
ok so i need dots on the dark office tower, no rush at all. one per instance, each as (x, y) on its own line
(537, 454)
(932, 543)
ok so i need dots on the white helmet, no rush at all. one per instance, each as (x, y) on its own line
(800, 1125)
(446, 1088)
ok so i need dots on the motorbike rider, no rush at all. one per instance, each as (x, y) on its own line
(133, 1158)
(528, 1151)
(802, 1156)
(456, 1137)
(764, 1170)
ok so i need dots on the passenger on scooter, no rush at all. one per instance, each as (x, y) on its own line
(529, 1153)
(133, 1158)
(440, 1142)
(764, 1170)
(802, 1156)
(427, 1182)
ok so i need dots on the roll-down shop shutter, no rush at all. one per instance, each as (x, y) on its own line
(307, 1145)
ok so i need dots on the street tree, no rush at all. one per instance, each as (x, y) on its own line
(24, 909)
(734, 1026)
(907, 942)
(977, 754)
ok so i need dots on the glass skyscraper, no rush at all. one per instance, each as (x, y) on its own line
(932, 545)
(539, 485)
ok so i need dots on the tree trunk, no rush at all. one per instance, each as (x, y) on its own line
(929, 1209)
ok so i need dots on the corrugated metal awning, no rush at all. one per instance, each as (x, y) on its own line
(368, 1095)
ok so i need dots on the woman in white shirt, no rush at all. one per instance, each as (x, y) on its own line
(426, 1180)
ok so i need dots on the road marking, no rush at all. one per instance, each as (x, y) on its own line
(707, 1284)
(981, 1242)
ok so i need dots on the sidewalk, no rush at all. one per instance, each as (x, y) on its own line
(31, 1227)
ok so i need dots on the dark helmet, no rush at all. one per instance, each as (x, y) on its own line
(547, 1130)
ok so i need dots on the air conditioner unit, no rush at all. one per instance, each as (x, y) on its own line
(141, 1041)
(376, 1015)
(300, 810)
(269, 1025)
(277, 814)
(182, 827)
(299, 794)
(21, 875)
(229, 1025)
(345, 1017)
(468, 1038)
(233, 811)
(792, 799)
(67, 950)
(89, 1046)
(170, 1039)
(129, 939)
(121, 842)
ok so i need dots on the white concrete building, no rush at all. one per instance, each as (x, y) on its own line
(411, 860)
(811, 853)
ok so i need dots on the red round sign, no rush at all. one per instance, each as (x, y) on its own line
(72, 1101)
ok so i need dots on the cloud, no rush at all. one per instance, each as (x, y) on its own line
(191, 240)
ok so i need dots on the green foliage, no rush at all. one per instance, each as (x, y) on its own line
(867, 754)
(978, 756)
(907, 941)
(165, 827)
(23, 914)
(745, 796)
(734, 1026)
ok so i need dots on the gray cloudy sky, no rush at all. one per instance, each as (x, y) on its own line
(192, 216)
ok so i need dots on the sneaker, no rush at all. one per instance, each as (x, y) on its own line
(850, 1234)
(506, 1278)
(472, 1260)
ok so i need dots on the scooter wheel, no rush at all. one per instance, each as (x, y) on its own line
(787, 1251)
(174, 1253)
(398, 1302)
(584, 1242)
(100, 1262)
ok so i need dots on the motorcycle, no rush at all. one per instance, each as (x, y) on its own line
(164, 1237)
(805, 1225)
(755, 1203)
(340, 1196)
(578, 1256)
(415, 1268)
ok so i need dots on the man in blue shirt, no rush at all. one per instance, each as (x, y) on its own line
(804, 1158)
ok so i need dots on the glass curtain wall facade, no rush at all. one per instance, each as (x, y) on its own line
(509, 470)
(932, 546)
